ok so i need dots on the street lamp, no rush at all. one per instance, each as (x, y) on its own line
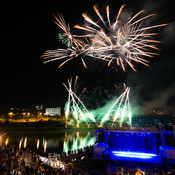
(10, 114)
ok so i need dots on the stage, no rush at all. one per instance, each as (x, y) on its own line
(134, 144)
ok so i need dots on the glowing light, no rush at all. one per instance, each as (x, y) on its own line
(119, 109)
(25, 142)
(78, 143)
(134, 154)
(91, 141)
(123, 114)
(10, 114)
(65, 146)
(37, 145)
(90, 115)
(45, 146)
(6, 141)
(74, 144)
(76, 107)
(20, 143)
(111, 40)
(2, 138)
(82, 143)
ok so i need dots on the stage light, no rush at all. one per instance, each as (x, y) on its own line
(140, 155)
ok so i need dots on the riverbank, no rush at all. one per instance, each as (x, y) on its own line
(41, 126)
(45, 130)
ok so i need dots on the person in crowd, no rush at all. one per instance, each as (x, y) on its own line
(138, 172)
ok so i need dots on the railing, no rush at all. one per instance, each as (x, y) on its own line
(54, 160)
(129, 171)
(79, 169)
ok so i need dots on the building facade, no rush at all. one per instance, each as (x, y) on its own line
(53, 111)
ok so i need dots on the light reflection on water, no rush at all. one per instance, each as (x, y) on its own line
(78, 142)
(51, 141)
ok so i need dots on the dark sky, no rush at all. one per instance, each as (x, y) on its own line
(28, 31)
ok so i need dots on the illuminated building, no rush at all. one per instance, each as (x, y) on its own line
(53, 111)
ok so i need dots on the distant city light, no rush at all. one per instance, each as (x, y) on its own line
(10, 114)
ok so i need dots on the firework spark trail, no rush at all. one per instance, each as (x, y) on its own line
(129, 38)
(60, 22)
(129, 110)
(76, 108)
(75, 46)
(67, 110)
(73, 101)
(75, 111)
(126, 106)
(125, 42)
(118, 109)
(107, 13)
(84, 113)
(98, 13)
(83, 117)
(110, 40)
(117, 19)
(125, 109)
(109, 112)
(123, 113)
(87, 112)
(74, 95)
(119, 101)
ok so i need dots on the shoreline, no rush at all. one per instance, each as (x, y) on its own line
(45, 129)
(42, 126)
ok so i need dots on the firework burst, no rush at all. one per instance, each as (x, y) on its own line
(75, 106)
(111, 40)
(119, 110)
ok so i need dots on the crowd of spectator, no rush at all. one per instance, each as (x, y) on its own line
(15, 161)
(23, 162)
(142, 171)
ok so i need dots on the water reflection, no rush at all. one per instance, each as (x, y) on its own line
(25, 142)
(75, 143)
(45, 146)
(6, 141)
(37, 145)
(20, 143)
(50, 142)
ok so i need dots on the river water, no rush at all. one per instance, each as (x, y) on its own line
(44, 142)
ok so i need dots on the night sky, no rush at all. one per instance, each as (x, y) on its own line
(29, 30)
